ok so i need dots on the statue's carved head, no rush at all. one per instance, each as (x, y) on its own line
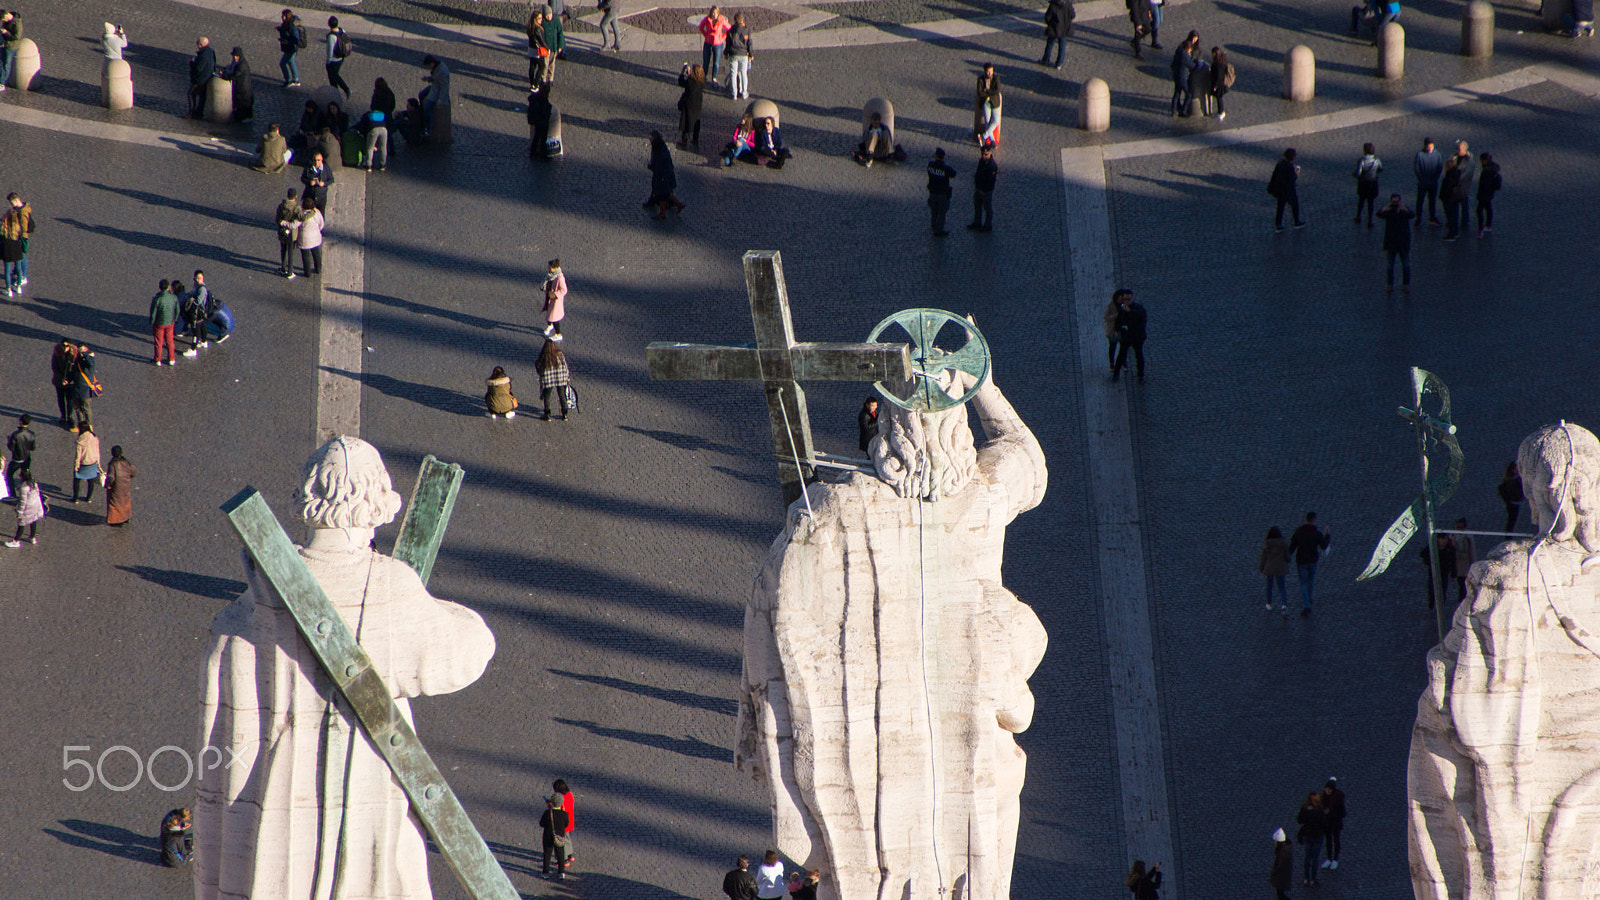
(347, 486)
(1560, 468)
(926, 454)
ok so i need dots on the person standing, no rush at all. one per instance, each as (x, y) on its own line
(939, 175)
(1397, 241)
(309, 237)
(1368, 167)
(553, 380)
(714, 31)
(1306, 546)
(287, 219)
(1488, 183)
(537, 51)
(1447, 565)
(16, 229)
(1285, 175)
(119, 489)
(739, 884)
(192, 308)
(113, 41)
(1274, 564)
(291, 40)
(555, 41)
(1466, 554)
(1467, 171)
(1222, 76)
(63, 362)
(1184, 62)
(1282, 864)
(237, 73)
(610, 10)
(202, 69)
(1313, 832)
(32, 507)
(983, 182)
(1058, 16)
(1142, 14)
(20, 445)
(438, 92)
(11, 39)
(86, 463)
(555, 300)
(317, 178)
(1428, 166)
(569, 805)
(693, 81)
(163, 322)
(1108, 319)
(741, 53)
(867, 423)
(1333, 805)
(769, 878)
(1451, 194)
(84, 386)
(1157, 13)
(554, 825)
(1143, 885)
(986, 107)
(382, 99)
(1511, 495)
(663, 178)
(339, 49)
(1132, 324)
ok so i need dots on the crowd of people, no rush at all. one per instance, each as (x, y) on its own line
(768, 882)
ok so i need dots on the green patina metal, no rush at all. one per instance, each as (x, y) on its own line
(928, 361)
(432, 501)
(1436, 488)
(436, 806)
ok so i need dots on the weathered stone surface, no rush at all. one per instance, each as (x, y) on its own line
(1504, 779)
(116, 85)
(1299, 74)
(886, 667)
(26, 65)
(1094, 105)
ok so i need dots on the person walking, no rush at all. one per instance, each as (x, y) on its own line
(63, 362)
(1467, 173)
(553, 380)
(1368, 167)
(84, 386)
(741, 53)
(339, 49)
(663, 178)
(1313, 832)
(1274, 564)
(693, 81)
(309, 237)
(867, 424)
(939, 175)
(1397, 241)
(1428, 166)
(1108, 319)
(714, 32)
(202, 69)
(1143, 885)
(1282, 187)
(1282, 864)
(287, 219)
(86, 463)
(739, 884)
(1142, 14)
(291, 40)
(983, 182)
(555, 299)
(1488, 184)
(1184, 62)
(163, 322)
(554, 838)
(119, 489)
(569, 805)
(1222, 77)
(1510, 491)
(1132, 324)
(1307, 545)
(16, 230)
(1058, 16)
(1333, 805)
(20, 445)
(986, 107)
(610, 10)
(32, 507)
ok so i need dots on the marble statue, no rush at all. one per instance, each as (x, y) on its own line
(303, 806)
(1504, 778)
(885, 667)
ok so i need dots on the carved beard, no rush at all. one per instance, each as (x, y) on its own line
(1561, 465)
(926, 455)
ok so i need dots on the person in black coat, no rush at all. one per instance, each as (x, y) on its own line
(1184, 61)
(739, 884)
(244, 94)
(1488, 183)
(867, 422)
(1141, 884)
(1282, 864)
(1333, 802)
(1313, 831)
(554, 822)
(1131, 326)
(693, 81)
(540, 107)
(984, 178)
(382, 98)
(1397, 240)
(202, 69)
(663, 178)
(1282, 187)
(1058, 18)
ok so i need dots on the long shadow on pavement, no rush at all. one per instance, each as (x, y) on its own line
(681, 698)
(112, 839)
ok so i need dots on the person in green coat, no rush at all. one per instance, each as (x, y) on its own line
(163, 319)
(555, 38)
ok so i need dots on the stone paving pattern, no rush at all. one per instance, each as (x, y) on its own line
(612, 553)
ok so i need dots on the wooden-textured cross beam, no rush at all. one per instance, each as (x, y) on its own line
(780, 363)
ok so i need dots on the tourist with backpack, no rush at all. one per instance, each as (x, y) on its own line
(291, 40)
(1222, 76)
(1366, 175)
(339, 49)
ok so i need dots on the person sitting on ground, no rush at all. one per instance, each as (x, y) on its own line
(410, 124)
(311, 122)
(770, 150)
(501, 402)
(338, 120)
(331, 148)
(382, 98)
(272, 153)
(743, 145)
(877, 143)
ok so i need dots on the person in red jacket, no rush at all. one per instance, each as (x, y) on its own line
(560, 785)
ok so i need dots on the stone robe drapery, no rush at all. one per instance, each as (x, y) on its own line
(885, 672)
(308, 810)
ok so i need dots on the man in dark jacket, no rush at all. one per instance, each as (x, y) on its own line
(1488, 183)
(1058, 16)
(83, 385)
(1428, 166)
(1142, 15)
(1184, 62)
(1282, 186)
(983, 180)
(738, 884)
(63, 359)
(939, 175)
(1467, 168)
(202, 69)
(19, 448)
(1333, 802)
(1306, 546)
(554, 822)
(244, 93)
(163, 322)
(1397, 240)
(1131, 327)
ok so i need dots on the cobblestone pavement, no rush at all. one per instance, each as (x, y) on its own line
(612, 553)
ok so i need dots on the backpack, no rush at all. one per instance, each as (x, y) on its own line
(572, 398)
(341, 45)
(299, 37)
(1227, 76)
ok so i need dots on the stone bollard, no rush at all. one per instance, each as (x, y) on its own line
(116, 85)
(1477, 30)
(1094, 106)
(1554, 13)
(441, 132)
(764, 109)
(1299, 74)
(26, 65)
(219, 101)
(1392, 51)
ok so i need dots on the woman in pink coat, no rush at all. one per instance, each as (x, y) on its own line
(555, 300)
